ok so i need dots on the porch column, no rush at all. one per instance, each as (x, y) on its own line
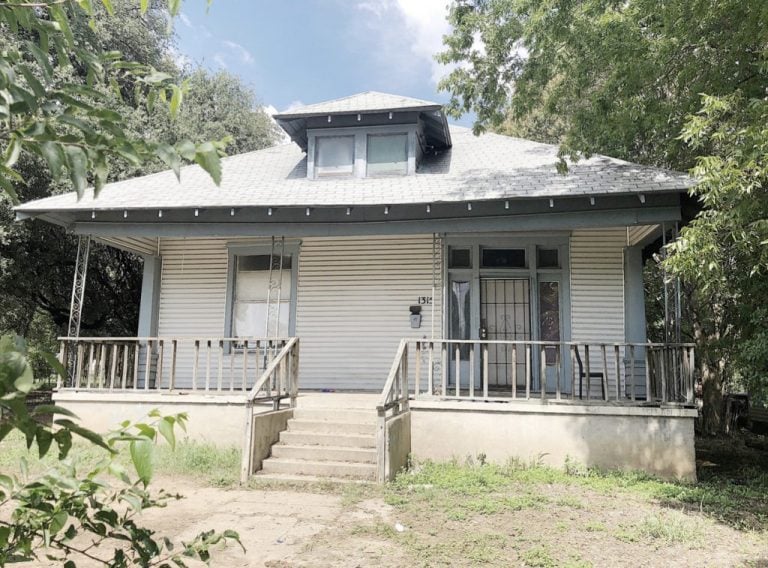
(150, 296)
(634, 314)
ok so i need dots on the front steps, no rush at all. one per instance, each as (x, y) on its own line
(325, 442)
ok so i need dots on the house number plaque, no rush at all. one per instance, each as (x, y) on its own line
(425, 300)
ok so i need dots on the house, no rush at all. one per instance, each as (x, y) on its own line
(386, 285)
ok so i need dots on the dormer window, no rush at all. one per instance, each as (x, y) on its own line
(334, 156)
(387, 154)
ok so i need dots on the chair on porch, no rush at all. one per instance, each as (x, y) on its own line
(592, 374)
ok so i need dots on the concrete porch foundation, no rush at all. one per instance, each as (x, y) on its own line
(659, 441)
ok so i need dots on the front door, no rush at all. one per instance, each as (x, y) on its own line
(505, 315)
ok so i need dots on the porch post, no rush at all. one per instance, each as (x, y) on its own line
(634, 311)
(150, 296)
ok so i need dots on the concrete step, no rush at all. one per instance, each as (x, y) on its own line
(324, 453)
(262, 477)
(338, 400)
(335, 415)
(319, 468)
(326, 426)
(292, 438)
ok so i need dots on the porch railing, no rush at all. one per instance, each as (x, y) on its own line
(199, 364)
(393, 402)
(627, 373)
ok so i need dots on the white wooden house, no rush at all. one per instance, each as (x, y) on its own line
(447, 295)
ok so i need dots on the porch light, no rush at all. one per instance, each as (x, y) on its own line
(159, 212)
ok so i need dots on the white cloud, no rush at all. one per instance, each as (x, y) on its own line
(244, 55)
(218, 58)
(407, 29)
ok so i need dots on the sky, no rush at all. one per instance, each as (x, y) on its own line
(293, 52)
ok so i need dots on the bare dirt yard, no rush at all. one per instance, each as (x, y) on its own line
(475, 514)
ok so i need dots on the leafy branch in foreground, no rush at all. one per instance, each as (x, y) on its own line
(79, 510)
(44, 110)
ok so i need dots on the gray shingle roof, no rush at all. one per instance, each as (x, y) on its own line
(477, 168)
(369, 101)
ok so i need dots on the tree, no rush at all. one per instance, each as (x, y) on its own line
(79, 128)
(626, 79)
(37, 258)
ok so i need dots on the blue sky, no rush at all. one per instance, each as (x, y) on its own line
(305, 51)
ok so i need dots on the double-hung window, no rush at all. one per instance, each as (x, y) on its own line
(334, 155)
(262, 307)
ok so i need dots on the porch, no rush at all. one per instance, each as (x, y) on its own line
(442, 399)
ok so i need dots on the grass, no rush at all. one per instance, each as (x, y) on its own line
(666, 528)
(210, 464)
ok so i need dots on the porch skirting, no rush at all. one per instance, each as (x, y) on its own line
(658, 440)
(215, 418)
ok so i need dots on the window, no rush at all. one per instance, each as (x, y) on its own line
(503, 258)
(334, 155)
(387, 154)
(547, 258)
(460, 258)
(252, 314)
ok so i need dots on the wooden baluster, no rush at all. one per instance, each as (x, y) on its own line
(472, 370)
(126, 364)
(207, 365)
(543, 372)
(220, 375)
(663, 375)
(618, 373)
(91, 368)
(457, 353)
(102, 373)
(444, 370)
(63, 361)
(486, 377)
(632, 372)
(605, 372)
(587, 371)
(147, 364)
(231, 366)
(172, 380)
(136, 354)
(431, 370)
(417, 370)
(159, 372)
(245, 365)
(691, 371)
(79, 364)
(528, 371)
(574, 370)
(113, 367)
(257, 372)
(557, 371)
(195, 364)
(648, 363)
(514, 370)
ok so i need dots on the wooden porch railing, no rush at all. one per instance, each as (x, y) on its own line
(279, 381)
(393, 401)
(625, 373)
(198, 364)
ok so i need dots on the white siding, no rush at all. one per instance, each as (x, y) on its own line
(353, 300)
(353, 297)
(597, 294)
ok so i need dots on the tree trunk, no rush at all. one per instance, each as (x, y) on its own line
(711, 422)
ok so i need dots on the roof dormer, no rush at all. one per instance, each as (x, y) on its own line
(366, 135)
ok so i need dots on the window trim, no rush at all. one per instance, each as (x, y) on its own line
(361, 133)
(239, 249)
